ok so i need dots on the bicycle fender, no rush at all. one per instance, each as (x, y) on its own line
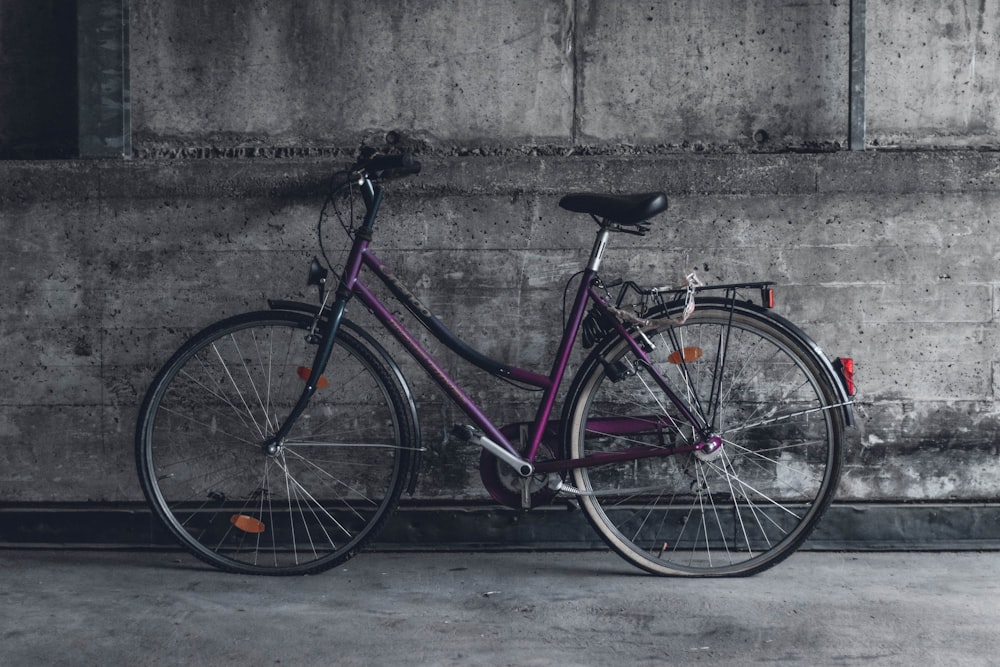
(379, 351)
(834, 377)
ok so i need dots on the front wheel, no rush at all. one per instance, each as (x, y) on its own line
(300, 506)
(768, 470)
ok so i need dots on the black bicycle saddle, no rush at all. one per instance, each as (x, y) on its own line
(622, 209)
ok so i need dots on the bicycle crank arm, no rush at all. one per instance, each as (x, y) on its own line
(469, 434)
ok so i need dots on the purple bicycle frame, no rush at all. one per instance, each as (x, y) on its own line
(360, 257)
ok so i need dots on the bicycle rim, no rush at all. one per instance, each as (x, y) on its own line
(732, 509)
(303, 508)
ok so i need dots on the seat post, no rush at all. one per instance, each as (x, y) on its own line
(598, 251)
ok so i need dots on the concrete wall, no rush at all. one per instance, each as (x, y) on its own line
(932, 73)
(569, 72)
(737, 114)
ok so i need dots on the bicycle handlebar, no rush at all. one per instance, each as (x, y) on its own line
(382, 167)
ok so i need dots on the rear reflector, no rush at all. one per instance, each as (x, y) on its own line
(845, 368)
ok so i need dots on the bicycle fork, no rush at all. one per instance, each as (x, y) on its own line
(326, 339)
(372, 195)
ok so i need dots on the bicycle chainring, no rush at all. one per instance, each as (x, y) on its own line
(504, 484)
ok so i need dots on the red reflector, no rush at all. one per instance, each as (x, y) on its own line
(304, 373)
(845, 366)
(770, 298)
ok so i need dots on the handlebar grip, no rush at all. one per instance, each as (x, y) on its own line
(391, 166)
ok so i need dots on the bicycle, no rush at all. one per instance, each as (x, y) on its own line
(702, 434)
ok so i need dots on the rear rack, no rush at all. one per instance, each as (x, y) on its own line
(650, 297)
(635, 302)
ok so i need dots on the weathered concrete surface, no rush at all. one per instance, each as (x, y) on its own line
(561, 71)
(230, 76)
(766, 75)
(885, 257)
(933, 72)
(326, 72)
(704, 72)
(499, 609)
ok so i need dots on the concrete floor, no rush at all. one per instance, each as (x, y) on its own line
(135, 608)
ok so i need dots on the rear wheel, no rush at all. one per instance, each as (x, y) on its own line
(312, 501)
(747, 498)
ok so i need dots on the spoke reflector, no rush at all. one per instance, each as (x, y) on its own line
(689, 354)
(247, 524)
(305, 372)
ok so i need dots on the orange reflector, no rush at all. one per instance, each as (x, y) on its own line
(305, 372)
(689, 354)
(247, 524)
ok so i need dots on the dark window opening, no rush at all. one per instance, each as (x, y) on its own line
(38, 79)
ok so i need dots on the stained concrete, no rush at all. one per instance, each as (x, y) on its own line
(932, 73)
(759, 75)
(102, 608)
(767, 75)
(755, 73)
(762, 74)
(320, 71)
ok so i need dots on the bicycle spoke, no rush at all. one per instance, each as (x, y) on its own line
(313, 499)
(767, 466)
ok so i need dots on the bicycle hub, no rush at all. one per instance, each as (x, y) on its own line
(710, 450)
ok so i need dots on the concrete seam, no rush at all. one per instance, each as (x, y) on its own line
(101, 348)
(856, 77)
(993, 324)
(126, 65)
(571, 36)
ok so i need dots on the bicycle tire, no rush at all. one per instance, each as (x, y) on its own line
(205, 472)
(733, 511)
